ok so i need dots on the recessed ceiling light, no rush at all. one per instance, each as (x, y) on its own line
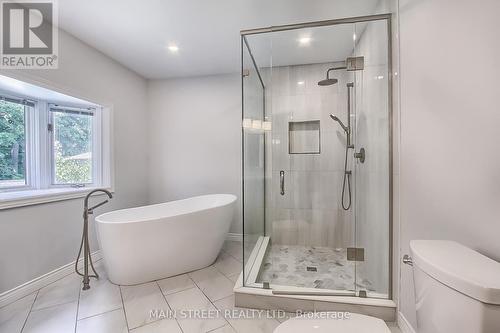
(304, 41)
(300, 83)
(173, 48)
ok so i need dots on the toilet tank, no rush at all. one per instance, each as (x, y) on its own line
(456, 288)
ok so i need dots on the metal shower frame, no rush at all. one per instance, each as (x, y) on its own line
(351, 20)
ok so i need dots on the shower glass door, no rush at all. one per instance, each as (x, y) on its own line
(373, 176)
(316, 219)
(307, 233)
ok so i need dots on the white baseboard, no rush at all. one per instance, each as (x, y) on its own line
(30, 287)
(404, 324)
(234, 237)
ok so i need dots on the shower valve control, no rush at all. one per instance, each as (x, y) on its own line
(361, 155)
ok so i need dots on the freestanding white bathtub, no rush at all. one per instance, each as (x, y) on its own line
(154, 242)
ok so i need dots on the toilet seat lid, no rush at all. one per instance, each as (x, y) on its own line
(354, 323)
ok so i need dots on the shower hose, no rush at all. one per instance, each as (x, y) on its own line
(346, 182)
(86, 240)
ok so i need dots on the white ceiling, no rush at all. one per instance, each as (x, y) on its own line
(136, 33)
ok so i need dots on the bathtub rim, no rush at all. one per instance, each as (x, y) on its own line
(98, 219)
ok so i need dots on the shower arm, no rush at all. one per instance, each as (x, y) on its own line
(334, 69)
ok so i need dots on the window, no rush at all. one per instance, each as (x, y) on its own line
(48, 147)
(72, 145)
(13, 142)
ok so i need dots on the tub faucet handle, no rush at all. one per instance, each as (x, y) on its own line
(91, 209)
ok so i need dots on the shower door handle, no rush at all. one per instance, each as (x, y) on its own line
(282, 182)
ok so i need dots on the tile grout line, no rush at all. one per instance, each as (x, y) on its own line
(98, 314)
(227, 277)
(227, 322)
(179, 291)
(229, 254)
(123, 307)
(154, 321)
(78, 306)
(62, 277)
(165, 298)
(29, 312)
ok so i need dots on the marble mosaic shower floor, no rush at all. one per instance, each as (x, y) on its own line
(310, 267)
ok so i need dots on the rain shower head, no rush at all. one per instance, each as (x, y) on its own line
(327, 82)
(351, 64)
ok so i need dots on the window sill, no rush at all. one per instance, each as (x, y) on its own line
(35, 197)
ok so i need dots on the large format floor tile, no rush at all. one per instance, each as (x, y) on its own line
(227, 265)
(65, 290)
(202, 301)
(213, 283)
(234, 249)
(55, 319)
(140, 300)
(103, 296)
(187, 305)
(13, 316)
(250, 321)
(160, 326)
(109, 322)
(224, 329)
(175, 284)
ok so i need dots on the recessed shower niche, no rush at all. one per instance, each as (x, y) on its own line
(308, 200)
(304, 137)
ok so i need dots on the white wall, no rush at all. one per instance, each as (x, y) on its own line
(450, 118)
(37, 239)
(195, 138)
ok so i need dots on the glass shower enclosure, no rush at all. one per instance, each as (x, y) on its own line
(316, 140)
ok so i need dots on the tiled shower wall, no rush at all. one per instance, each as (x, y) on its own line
(310, 212)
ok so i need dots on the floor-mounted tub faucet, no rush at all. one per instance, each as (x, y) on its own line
(85, 239)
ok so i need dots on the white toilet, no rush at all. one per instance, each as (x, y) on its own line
(355, 323)
(456, 289)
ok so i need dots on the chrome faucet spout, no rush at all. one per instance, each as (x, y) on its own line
(87, 197)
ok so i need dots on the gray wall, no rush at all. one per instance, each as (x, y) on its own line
(450, 160)
(37, 239)
(195, 138)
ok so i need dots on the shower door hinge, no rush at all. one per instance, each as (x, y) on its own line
(362, 294)
(355, 254)
(245, 73)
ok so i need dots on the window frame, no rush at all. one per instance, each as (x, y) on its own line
(39, 164)
(29, 142)
(96, 152)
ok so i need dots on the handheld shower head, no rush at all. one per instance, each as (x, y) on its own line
(345, 128)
